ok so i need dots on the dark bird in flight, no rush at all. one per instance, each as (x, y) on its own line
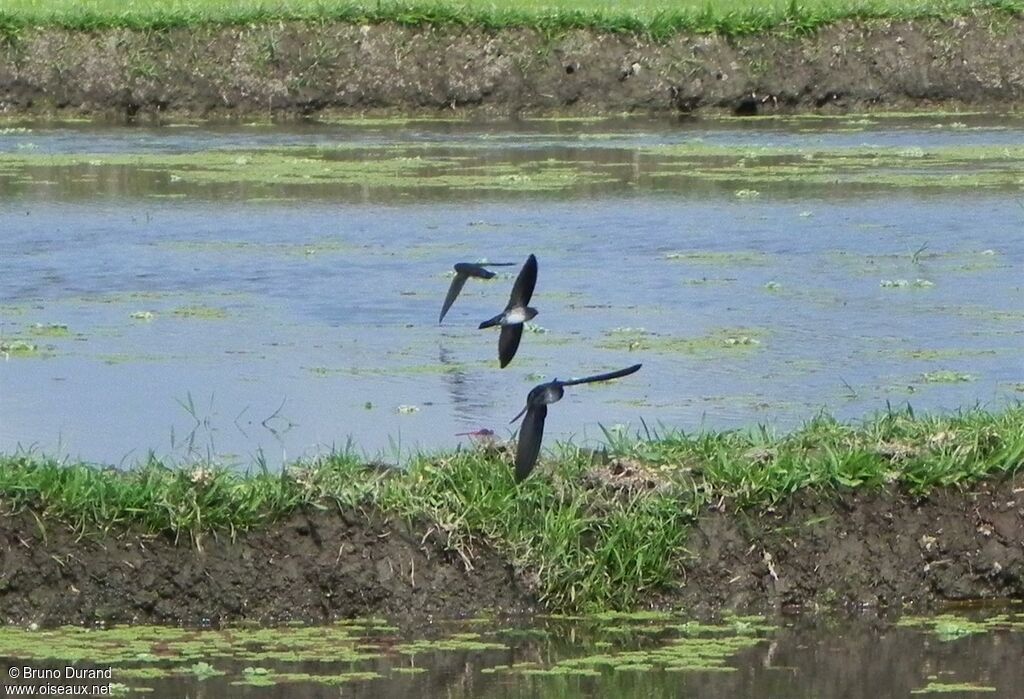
(463, 271)
(516, 313)
(532, 431)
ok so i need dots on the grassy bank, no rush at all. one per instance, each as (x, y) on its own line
(588, 536)
(658, 18)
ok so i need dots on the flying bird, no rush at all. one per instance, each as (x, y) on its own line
(532, 431)
(463, 271)
(516, 313)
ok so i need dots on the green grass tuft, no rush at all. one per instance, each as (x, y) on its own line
(187, 502)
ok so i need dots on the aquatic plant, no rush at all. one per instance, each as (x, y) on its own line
(946, 376)
(18, 348)
(49, 330)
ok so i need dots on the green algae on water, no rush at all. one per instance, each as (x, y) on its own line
(946, 376)
(720, 341)
(952, 687)
(949, 627)
(49, 330)
(19, 348)
(721, 259)
(376, 167)
(200, 312)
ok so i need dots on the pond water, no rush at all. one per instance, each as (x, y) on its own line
(645, 655)
(255, 293)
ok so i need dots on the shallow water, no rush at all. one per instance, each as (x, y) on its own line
(267, 293)
(627, 655)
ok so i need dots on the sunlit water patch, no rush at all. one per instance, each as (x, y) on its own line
(646, 654)
(258, 293)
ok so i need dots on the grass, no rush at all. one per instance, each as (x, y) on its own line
(583, 546)
(656, 18)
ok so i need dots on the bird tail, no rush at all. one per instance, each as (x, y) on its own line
(496, 320)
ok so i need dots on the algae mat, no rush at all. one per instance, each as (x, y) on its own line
(644, 654)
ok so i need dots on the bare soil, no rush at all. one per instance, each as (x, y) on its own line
(286, 70)
(862, 549)
(857, 549)
(325, 566)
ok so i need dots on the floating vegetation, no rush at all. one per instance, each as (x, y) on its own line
(946, 354)
(140, 654)
(721, 259)
(201, 312)
(867, 166)
(741, 340)
(49, 330)
(449, 644)
(909, 262)
(904, 283)
(256, 677)
(19, 348)
(946, 376)
(949, 627)
(725, 339)
(601, 647)
(952, 687)
(202, 670)
(418, 167)
(409, 670)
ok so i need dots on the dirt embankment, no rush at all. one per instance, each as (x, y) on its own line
(320, 567)
(860, 549)
(293, 69)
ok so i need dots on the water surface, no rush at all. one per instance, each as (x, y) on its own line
(622, 655)
(265, 293)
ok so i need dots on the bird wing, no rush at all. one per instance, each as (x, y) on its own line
(520, 413)
(618, 373)
(522, 290)
(530, 436)
(508, 342)
(472, 269)
(453, 292)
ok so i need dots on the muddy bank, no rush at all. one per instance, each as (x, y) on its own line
(325, 566)
(863, 550)
(860, 549)
(293, 69)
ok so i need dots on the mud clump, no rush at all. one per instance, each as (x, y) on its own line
(294, 69)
